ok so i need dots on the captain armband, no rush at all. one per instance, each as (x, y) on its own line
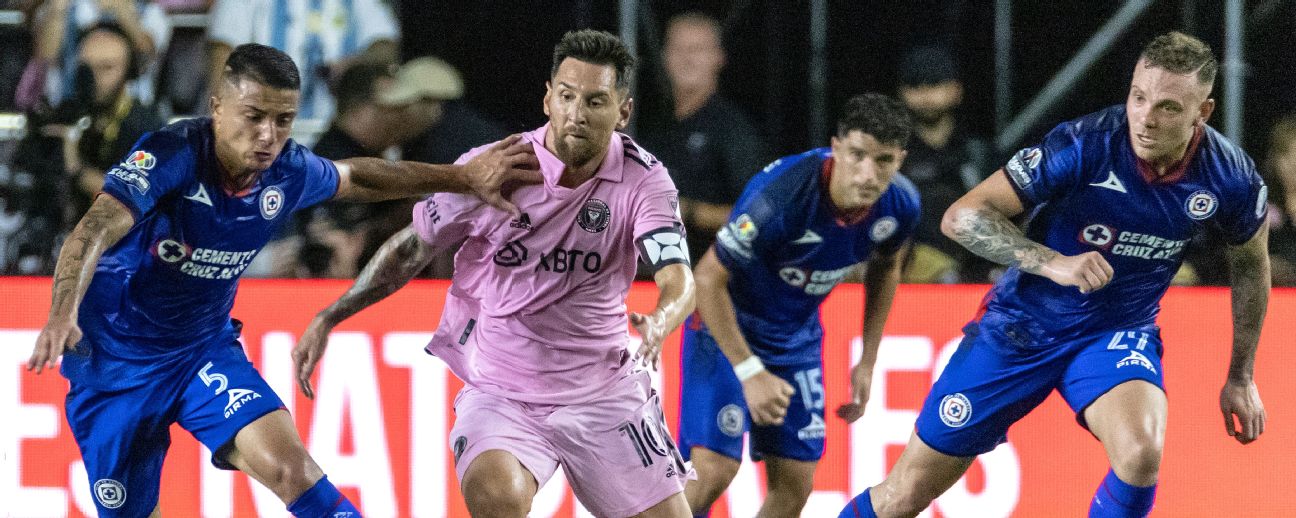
(662, 247)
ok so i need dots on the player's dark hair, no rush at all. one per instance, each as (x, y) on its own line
(599, 48)
(1182, 54)
(263, 64)
(878, 115)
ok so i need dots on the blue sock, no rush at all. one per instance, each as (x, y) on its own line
(859, 507)
(1115, 498)
(323, 501)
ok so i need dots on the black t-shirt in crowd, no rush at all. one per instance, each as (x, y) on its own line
(710, 155)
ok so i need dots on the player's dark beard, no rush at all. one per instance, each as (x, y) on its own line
(573, 156)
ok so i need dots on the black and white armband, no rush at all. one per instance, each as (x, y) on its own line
(663, 246)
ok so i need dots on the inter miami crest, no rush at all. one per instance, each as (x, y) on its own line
(594, 216)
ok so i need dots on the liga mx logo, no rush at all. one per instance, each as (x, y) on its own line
(955, 410)
(1201, 205)
(111, 493)
(141, 160)
(272, 200)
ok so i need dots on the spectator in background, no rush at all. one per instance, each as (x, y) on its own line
(944, 162)
(55, 26)
(334, 238)
(441, 127)
(438, 128)
(112, 119)
(85, 135)
(1279, 169)
(321, 36)
(709, 146)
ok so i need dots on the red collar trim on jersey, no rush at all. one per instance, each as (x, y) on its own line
(1177, 170)
(842, 217)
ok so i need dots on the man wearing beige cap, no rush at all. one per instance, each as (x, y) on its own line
(440, 126)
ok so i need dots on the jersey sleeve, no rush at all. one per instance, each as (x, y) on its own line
(321, 179)
(906, 208)
(1048, 170)
(755, 229)
(658, 228)
(157, 165)
(1243, 212)
(443, 219)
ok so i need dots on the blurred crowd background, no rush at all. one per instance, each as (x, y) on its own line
(723, 88)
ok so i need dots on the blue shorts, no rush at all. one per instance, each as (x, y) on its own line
(992, 381)
(713, 412)
(124, 435)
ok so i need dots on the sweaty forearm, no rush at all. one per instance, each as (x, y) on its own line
(101, 227)
(991, 235)
(676, 299)
(717, 311)
(881, 277)
(1249, 275)
(375, 179)
(396, 262)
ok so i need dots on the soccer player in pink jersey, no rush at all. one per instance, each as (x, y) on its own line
(535, 321)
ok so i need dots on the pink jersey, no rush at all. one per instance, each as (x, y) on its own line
(537, 308)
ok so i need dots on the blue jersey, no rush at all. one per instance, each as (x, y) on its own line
(1085, 192)
(786, 248)
(167, 287)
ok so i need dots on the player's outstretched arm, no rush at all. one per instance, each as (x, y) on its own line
(676, 298)
(509, 162)
(767, 395)
(399, 259)
(881, 276)
(101, 227)
(981, 222)
(1249, 277)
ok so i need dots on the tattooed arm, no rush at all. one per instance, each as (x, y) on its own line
(101, 227)
(981, 222)
(1249, 277)
(397, 261)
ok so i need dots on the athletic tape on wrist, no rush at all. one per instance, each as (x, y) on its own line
(748, 368)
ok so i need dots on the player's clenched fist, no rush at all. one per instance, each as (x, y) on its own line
(767, 397)
(1088, 271)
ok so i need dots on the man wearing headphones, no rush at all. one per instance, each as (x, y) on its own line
(106, 119)
(72, 144)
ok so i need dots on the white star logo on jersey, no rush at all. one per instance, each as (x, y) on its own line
(810, 237)
(200, 196)
(1112, 183)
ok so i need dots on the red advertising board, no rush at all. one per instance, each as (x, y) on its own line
(378, 425)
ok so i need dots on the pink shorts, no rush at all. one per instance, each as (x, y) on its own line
(617, 453)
